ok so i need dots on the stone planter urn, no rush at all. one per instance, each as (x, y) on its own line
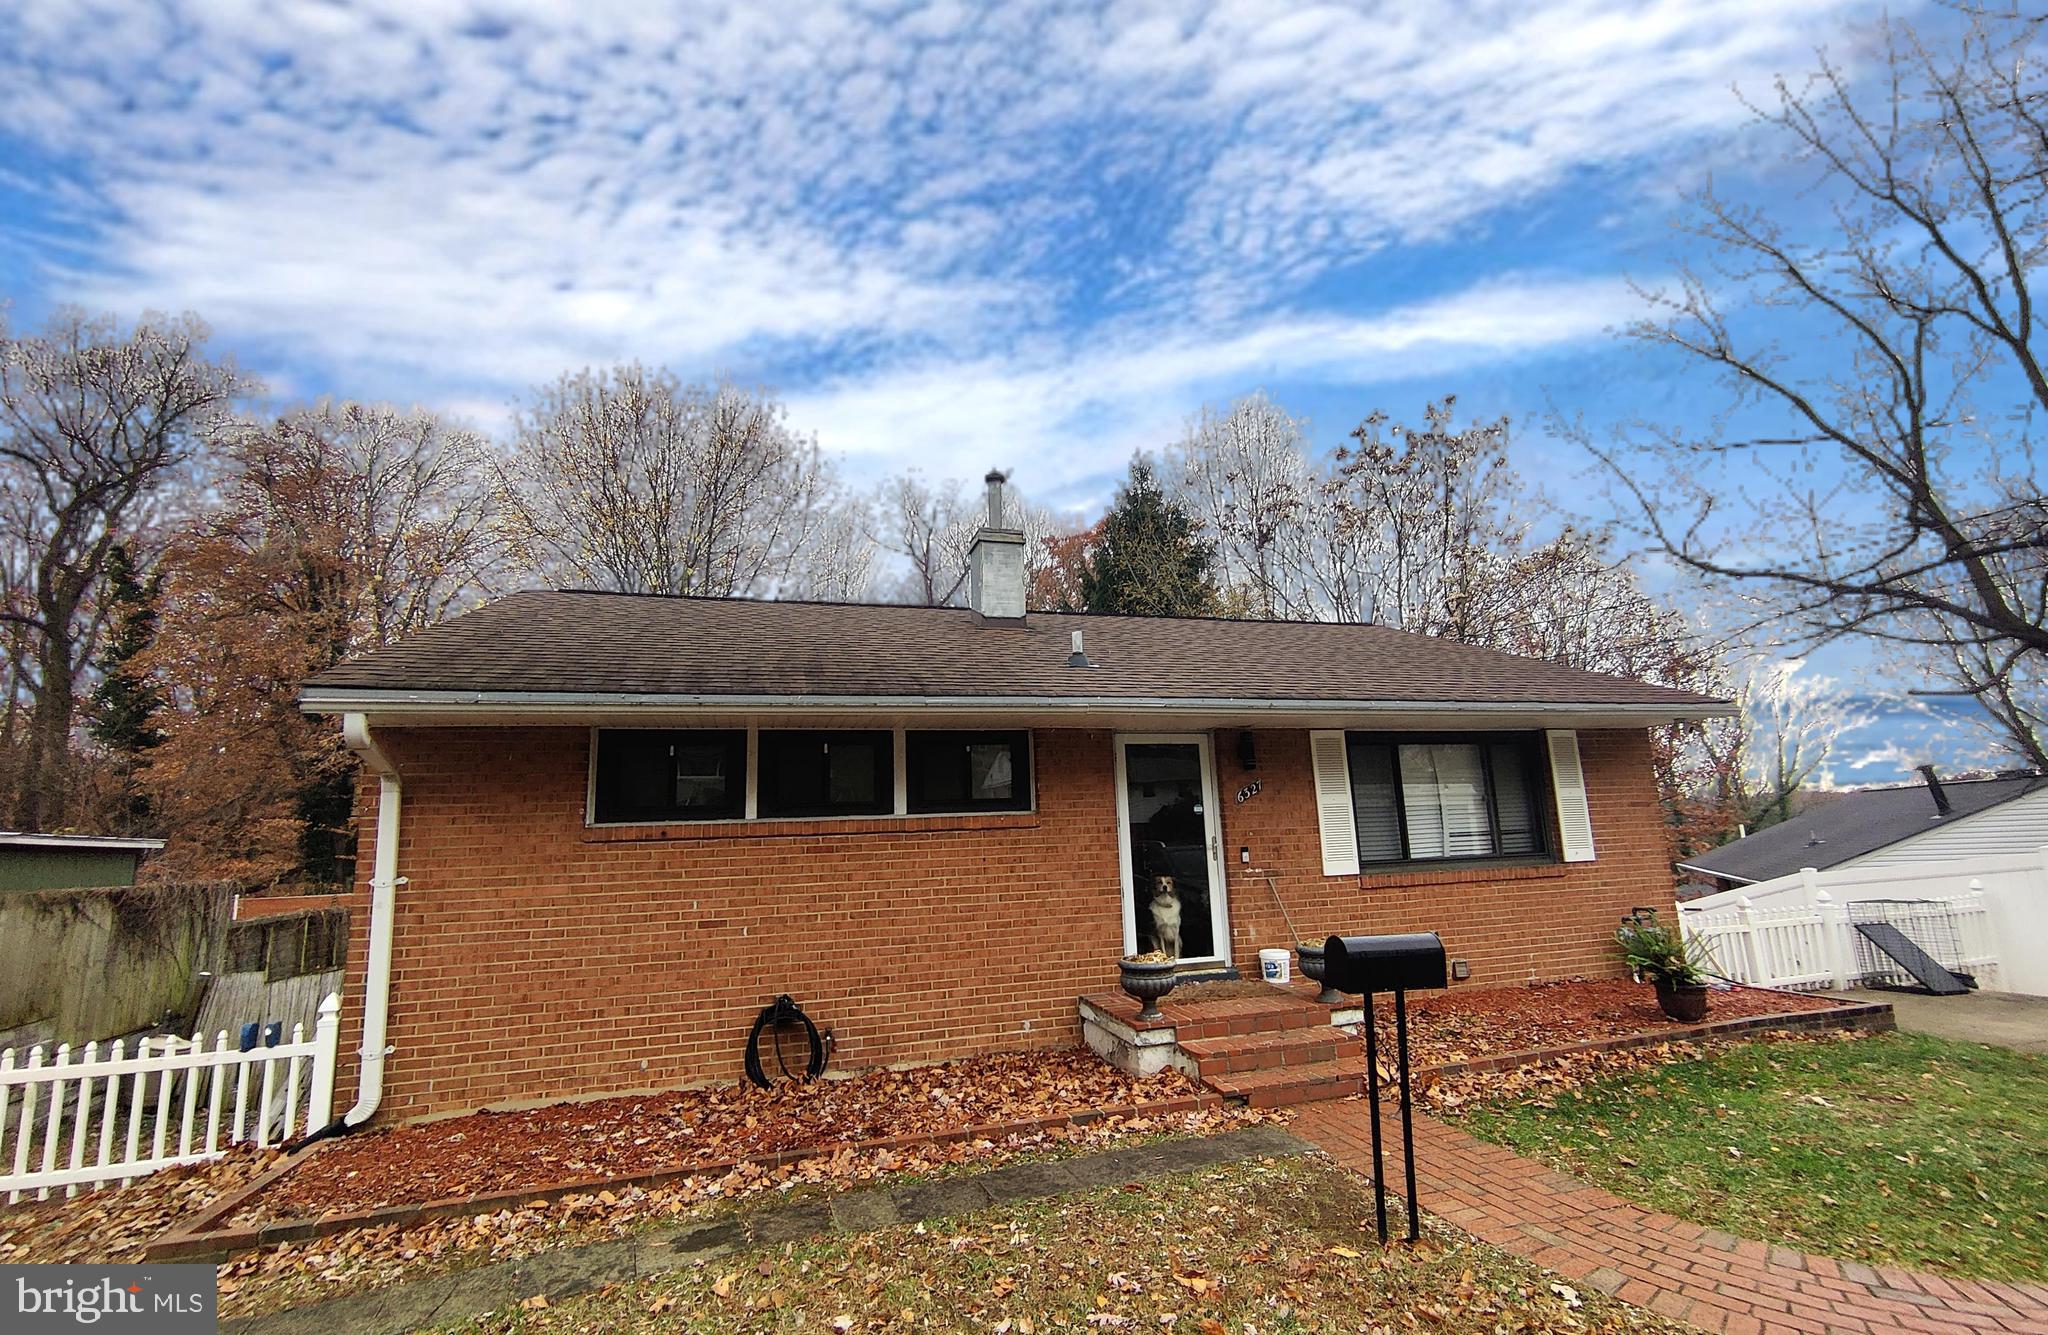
(1685, 1002)
(1309, 959)
(1146, 979)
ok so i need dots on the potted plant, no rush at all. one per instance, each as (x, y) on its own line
(1669, 960)
(1146, 978)
(1309, 958)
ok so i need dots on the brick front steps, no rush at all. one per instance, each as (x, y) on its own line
(1265, 1051)
(1274, 1050)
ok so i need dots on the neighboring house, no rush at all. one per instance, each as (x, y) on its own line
(602, 831)
(69, 861)
(1937, 820)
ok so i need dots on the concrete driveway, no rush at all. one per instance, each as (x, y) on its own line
(2005, 1019)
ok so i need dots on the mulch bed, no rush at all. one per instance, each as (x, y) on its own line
(612, 1138)
(1467, 1024)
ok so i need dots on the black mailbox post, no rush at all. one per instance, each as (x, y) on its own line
(1401, 963)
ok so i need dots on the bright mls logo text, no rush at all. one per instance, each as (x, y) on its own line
(87, 1303)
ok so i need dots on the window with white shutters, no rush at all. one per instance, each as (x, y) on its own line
(1414, 798)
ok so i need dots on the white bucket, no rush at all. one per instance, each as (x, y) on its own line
(1274, 965)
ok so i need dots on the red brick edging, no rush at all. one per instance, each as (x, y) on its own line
(1681, 1270)
(1875, 1016)
(204, 1235)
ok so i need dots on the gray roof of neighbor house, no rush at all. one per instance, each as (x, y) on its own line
(1852, 824)
(568, 646)
(78, 843)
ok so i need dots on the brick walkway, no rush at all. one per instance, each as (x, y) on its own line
(1684, 1271)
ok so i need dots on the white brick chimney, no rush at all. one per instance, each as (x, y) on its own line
(995, 563)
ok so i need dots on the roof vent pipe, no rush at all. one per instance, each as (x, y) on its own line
(1078, 658)
(1941, 806)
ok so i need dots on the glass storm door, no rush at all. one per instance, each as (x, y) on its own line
(1171, 854)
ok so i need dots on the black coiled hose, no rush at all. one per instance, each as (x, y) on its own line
(784, 1010)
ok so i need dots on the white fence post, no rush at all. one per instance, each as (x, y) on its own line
(1752, 962)
(1976, 935)
(326, 1041)
(1837, 950)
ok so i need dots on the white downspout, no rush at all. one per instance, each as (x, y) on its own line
(384, 883)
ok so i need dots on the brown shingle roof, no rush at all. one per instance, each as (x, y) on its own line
(618, 644)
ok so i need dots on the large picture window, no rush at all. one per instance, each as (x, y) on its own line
(1426, 798)
(649, 775)
(827, 773)
(968, 771)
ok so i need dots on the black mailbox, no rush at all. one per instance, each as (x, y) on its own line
(1403, 962)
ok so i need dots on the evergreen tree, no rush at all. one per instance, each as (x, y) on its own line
(1148, 558)
(127, 704)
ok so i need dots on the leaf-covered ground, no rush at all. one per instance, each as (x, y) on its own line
(1896, 1149)
(610, 1138)
(113, 1224)
(294, 1274)
(1252, 1249)
(1468, 1023)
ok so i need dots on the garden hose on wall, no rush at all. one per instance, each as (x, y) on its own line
(782, 1020)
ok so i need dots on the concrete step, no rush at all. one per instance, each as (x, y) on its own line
(1280, 1086)
(1238, 1053)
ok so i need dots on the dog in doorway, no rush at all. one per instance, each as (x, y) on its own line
(1166, 916)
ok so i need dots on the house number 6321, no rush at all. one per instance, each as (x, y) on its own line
(1248, 792)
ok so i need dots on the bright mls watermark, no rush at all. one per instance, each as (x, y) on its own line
(165, 1299)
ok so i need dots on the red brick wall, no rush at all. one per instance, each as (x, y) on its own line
(536, 958)
(1512, 923)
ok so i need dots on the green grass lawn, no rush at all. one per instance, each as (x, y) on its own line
(1276, 1247)
(1896, 1150)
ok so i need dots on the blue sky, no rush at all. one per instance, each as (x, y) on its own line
(1032, 236)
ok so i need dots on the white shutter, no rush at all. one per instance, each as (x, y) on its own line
(1333, 803)
(1574, 819)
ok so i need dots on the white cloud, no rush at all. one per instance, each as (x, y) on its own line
(1073, 414)
(994, 223)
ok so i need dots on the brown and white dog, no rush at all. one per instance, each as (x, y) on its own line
(1166, 916)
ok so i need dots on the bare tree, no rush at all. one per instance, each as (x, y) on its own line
(1792, 721)
(1420, 519)
(930, 526)
(96, 423)
(399, 503)
(626, 479)
(1568, 600)
(1880, 480)
(1245, 475)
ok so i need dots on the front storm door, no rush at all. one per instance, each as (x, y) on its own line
(1171, 854)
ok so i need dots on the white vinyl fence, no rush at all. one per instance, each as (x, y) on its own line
(84, 1118)
(1811, 946)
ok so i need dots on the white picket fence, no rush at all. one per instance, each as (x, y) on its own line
(1808, 947)
(126, 1114)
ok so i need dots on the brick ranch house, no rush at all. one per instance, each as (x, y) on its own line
(609, 828)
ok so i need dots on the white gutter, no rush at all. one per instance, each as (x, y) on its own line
(1718, 875)
(316, 700)
(384, 883)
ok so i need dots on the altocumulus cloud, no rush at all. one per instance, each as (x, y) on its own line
(925, 223)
